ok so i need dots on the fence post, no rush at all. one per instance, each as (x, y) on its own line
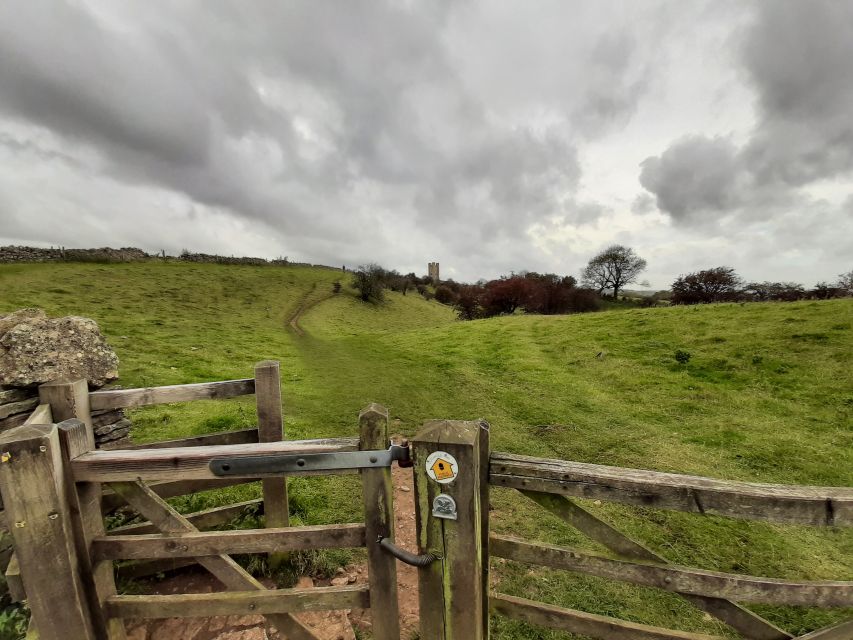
(451, 459)
(69, 402)
(271, 429)
(34, 494)
(379, 523)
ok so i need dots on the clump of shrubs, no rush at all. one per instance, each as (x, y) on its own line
(444, 294)
(682, 356)
(530, 292)
(722, 284)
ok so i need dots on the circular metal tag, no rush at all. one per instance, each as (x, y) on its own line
(442, 467)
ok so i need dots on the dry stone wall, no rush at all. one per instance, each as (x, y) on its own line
(35, 349)
(10, 254)
(210, 258)
(39, 254)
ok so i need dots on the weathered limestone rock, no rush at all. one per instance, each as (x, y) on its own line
(21, 315)
(35, 349)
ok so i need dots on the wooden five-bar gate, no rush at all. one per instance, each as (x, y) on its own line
(56, 489)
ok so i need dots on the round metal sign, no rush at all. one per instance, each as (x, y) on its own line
(442, 467)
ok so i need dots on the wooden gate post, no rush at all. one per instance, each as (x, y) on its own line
(271, 429)
(379, 523)
(451, 459)
(35, 497)
(69, 403)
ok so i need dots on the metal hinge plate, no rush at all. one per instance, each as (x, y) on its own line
(290, 463)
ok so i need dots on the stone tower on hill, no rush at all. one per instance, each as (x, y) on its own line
(432, 272)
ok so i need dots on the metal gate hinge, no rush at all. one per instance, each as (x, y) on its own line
(294, 463)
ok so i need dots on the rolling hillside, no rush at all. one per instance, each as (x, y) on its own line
(766, 395)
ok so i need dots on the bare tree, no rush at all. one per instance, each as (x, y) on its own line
(613, 268)
(369, 281)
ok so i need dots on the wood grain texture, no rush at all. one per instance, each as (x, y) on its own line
(40, 415)
(67, 400)
(271, 429)
(212, 543)
(34, 495)
(226, 570)
(451, 591)
(678, 579)
(747, 623)
(586, 624)
(84, 499)
(378, 495)
(145, 568)
(241, 436)
(825, 506)
(172, 488)
(228, 603)
(206, 519)
(17, 593)
(841, 631)
(187, 463)
(123, 398)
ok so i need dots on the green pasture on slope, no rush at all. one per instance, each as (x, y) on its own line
(766, 395)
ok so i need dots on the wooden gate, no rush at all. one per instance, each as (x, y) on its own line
(55, 488)
(455, 598)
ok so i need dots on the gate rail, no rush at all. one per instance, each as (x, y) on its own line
(551, 484)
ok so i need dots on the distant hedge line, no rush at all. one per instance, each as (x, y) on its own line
(10, 254)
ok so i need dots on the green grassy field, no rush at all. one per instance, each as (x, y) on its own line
(767, 395)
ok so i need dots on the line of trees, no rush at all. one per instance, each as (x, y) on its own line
(531, 292)
(606, 275)
(723, 284)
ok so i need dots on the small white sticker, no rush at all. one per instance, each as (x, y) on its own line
(442, 467)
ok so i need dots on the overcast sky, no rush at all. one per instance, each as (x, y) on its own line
(489, 136)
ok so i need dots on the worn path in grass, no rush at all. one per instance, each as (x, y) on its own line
(767, 395)
(306, 303)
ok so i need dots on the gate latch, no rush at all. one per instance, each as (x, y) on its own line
(294, 463)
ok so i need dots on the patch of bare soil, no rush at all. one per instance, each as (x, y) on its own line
(304, 306)
(327, 625)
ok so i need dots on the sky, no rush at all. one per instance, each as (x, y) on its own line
(490, 136)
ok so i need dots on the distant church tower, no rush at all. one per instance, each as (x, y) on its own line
(432, 272)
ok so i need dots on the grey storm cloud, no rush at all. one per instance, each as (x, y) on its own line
(797, 57)
(292, 114)
(694, 174)
(490, 136)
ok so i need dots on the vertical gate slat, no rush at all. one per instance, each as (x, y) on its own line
(34, 494)
(271, 429)
(69, 402)
(453, 592)
(379, 522)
